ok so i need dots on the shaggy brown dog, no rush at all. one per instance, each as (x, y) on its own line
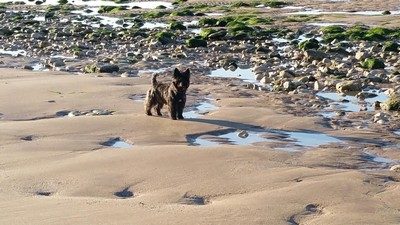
(173, 95)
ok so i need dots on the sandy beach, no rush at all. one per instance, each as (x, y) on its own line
(64, 176)
(270, 136)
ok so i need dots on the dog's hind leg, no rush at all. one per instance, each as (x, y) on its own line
(148, 110)
(149, 103)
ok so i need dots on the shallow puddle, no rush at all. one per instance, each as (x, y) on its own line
(117, 143)
(13, 53)
(286, 140)
(245, 74)
(200, 109)
(374, 159)
(349, 103)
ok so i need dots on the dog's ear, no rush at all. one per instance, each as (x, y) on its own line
(177, 73)
(187, 72)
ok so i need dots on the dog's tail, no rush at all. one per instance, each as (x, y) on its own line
(154, 80)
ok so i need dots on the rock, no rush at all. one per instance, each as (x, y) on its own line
(309, 44)
(288, 86)
(164, 37)
(395, 79)
(28, 67)
(56, 62)
(381, 118)
(348, 86)
(91, 68)
(243, 134)
(361, 55)
(386, 12)
(301, 80)
(318, 86)
(217, 35)
(74, 113)
(392, 103)
(377, 105)
(259, 76)
(176, 25)
(327, 62)
(395, 168)
(285, 74)
(196, 42)
(314, 55)
(391, 46)
(262, 49)
(265, 80)
(364, 95)
(373, 63)
(38, 36)
(108, 68)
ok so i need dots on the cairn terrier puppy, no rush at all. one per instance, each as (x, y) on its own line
(173, 94)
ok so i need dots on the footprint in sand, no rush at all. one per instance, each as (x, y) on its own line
(125, 193)
(188, 199)
(44, 193)
(28, 138)
(309, 210)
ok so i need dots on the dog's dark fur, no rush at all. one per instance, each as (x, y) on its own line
(173, 95)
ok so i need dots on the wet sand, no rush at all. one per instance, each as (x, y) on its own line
(54, 169)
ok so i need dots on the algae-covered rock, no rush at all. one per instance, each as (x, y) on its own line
(391, 46)
(373, 64)
(196, 42)
(92, 68)
(164, 37)
(175, 25)
(392, 103)
(309, 44)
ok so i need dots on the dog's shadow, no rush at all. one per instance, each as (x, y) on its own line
(230, 126)
(226, 124)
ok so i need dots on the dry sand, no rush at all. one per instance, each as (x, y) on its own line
(64, 176)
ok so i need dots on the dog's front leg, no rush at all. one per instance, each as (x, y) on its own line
(181, 106)
(172, 110)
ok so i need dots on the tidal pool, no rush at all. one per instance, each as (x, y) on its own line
(288, 140)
